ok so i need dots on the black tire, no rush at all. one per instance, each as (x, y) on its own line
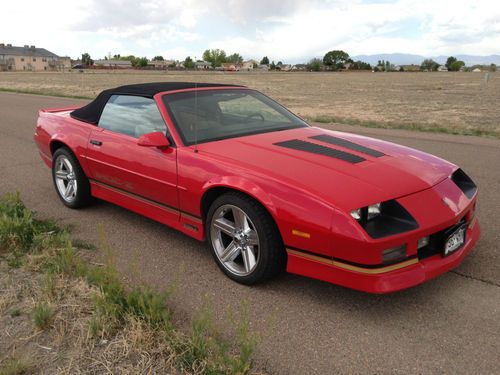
(82, 197)
(272, 256)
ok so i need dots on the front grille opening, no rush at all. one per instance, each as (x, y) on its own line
(436, 241)
(464, 183)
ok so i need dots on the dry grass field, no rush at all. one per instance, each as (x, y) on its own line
(462, 103)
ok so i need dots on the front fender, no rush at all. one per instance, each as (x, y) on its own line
(245, 186)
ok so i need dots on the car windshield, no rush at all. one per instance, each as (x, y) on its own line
(219, 114)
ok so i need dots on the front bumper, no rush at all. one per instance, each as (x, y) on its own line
(385, 280)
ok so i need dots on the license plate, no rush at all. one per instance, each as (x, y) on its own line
(455, 241)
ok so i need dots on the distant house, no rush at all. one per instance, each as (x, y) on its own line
(161, 64)
(442, 68)
(113, 64)
(202, 65)
(263, 67)
(284, 67)
(476, 70)
(231, 67)
(346, 66)
(248, 65)
(28, 58)
(299, 67)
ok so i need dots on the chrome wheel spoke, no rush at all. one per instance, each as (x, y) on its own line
(63, 175)
(225, 226)
(230, 253)
(70, 189)
(252, 238)
(249, 260)
(240, 219)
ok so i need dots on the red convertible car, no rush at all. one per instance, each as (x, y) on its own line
(267, 191)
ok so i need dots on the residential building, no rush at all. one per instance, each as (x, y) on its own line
(442, 68)
(202, 65)
(231, 67)
(29, 58)
(248, 65)
(161, 64)
(113, 64)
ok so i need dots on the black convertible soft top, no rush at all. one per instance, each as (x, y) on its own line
(92, 112)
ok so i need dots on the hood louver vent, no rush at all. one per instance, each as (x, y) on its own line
(347, 144)
(313, 148)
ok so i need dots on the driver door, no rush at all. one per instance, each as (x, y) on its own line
(116, 161)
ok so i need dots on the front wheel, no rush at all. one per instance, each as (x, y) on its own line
(244, 240)
(70, 181)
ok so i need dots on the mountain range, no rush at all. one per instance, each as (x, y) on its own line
(408, 59)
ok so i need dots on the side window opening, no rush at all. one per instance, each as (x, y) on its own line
(131, 115)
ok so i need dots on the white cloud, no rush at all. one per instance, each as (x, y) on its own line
(283, 30)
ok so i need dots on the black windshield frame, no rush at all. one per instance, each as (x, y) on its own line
(167, 99)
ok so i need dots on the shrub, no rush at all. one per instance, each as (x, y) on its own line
(42, 315)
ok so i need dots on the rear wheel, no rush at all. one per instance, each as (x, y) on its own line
(244, 239)
(70, 181)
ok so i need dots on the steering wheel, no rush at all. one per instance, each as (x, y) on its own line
(256, 114)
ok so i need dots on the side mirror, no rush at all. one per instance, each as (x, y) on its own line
(156, 139)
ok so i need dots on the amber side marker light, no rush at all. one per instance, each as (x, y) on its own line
(299, 233)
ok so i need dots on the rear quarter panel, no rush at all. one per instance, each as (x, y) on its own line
(56, 125)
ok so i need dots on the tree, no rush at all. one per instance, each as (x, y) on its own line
(188, 63)
(360, 65)
(272, 66)
(429, 65)
(456, 65)
(493, 68)
(158, 58)
(314, 65)
(215, 56)
(264, 61)
(139, 62)
(450, 61)
(336, 59)
(87, 60)
(235, 58)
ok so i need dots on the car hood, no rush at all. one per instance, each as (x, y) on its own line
(355, 178)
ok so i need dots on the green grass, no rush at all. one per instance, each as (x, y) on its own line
(43, 92)
(15, 313)
(15, 366)
(42, 315)
(430, 128)
(24, 237)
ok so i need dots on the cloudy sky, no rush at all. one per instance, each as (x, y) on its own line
(287, 30)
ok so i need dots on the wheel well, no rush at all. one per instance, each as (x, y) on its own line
(55, 145)
(212, 194)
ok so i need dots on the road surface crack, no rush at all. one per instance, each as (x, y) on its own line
(475, 278)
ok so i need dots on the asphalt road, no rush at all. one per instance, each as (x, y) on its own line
(449, 325)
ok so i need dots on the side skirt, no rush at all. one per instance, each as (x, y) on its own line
(183, 222)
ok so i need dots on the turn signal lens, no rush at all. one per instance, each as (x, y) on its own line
(394, 254)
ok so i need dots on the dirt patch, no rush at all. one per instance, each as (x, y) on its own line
(465, 103)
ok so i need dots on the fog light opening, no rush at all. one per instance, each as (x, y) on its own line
(394, 254)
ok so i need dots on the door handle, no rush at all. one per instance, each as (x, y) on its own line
(95, 142)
